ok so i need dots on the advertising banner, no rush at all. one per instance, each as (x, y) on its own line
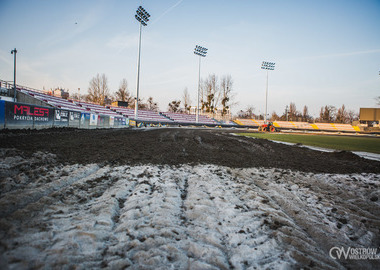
(112, 121)
(125, 122)
(93, 119)
(61, 118)
(19, 115)
(85, 120)
(132, 123)
(100, 121)
(74, 119)
(106, 123)
(2, 114)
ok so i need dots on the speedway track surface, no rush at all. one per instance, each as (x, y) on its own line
(180, 198)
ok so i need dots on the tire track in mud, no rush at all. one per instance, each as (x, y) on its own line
(19, 199)
(149, 232)
(239, 223)
(75, 222)
(284, 224)
(309, 203)
(200, 217)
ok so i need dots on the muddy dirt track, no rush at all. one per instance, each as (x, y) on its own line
(181, 199)
(180, 146)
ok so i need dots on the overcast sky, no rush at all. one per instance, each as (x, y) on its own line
(327, 52)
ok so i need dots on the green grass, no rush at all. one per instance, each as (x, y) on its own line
(348, 143)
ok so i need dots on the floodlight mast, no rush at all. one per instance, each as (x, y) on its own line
(14, 74)
(201, 52)
(143, 17)
(267, 66)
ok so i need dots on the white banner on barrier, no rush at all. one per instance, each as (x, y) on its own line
(112, 121)
(93, 119)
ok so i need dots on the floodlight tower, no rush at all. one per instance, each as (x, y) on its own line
(201, 51)
(268, 66)
(14, 74)
(143, 17)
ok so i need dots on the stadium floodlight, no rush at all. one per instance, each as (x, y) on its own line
(143, 17)
(201, 52)
(14, 74)
(267, 66)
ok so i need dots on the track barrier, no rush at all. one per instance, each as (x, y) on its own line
(26, 116)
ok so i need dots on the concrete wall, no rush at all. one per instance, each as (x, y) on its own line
(24, 98)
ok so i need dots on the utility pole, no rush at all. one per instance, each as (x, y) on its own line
(14, 74)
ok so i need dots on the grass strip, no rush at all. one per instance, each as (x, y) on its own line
(347, 143)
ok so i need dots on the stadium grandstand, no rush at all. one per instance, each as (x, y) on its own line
(145, 115)
(26, 95)
(32, 96)
(189, 118)
(291, 125)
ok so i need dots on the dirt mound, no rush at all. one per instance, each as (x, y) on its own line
(175, 146)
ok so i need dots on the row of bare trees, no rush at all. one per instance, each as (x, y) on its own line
(328, 114)
(99, 92)
(215, 94)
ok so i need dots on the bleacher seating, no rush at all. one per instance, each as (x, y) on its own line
(299, 125)
(96, 108)
(335, 127)
(249, 122)
(54, 101)
(292, 125)
(144, 115)
(189, 118)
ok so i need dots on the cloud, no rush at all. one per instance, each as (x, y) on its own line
(345, 54)
(167, 11)
(123, 41)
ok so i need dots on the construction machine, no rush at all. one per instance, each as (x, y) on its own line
(269, 127)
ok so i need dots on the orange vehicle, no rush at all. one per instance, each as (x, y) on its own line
(269, 127)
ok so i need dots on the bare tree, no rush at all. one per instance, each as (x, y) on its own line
(327, 114)
(320, 119)
(274, 117)
(352, 116)
(151, 105)
(292, 113)
(341, 115)
(174, 106)
(210, 94)
(247, 113)
(186, 100)
(142, 104)
(226, 93)
(377, 100)
(123, 94)
(305, 114)
(98, 89)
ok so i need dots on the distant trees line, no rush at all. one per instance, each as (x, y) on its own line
(99, 92)
(215, 93)
(328, 114)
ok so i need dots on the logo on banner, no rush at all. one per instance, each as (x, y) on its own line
(30, 113)
(27, 110)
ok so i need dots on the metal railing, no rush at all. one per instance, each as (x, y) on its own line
(9, 85)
